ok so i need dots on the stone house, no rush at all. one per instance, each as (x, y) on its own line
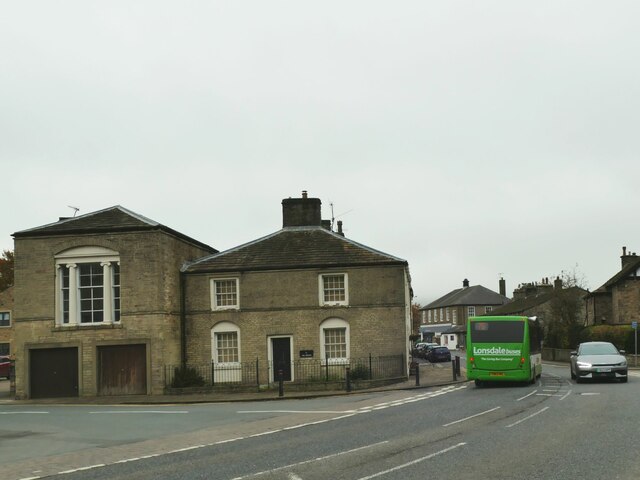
(97, 304)
(6, 321)
(301, 294)
(617, 302)
(444, 320)
(540, 299)
(109, 302)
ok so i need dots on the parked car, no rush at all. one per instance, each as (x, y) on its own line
(439, 354)
(422, 348)
(598, 360)
(5, 367)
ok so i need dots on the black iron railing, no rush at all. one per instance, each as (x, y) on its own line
(298, 371)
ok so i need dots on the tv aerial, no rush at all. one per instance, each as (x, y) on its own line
(75, 209)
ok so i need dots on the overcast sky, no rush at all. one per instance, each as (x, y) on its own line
(472, 138)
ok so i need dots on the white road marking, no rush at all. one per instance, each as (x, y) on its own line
(566, 395)
(413, 462)
(293, 476)
(319, 459)
(111, 412)
(297, 411)
(22, 413)
(548, 395)
(527, 395)
(470, 417)
(527, 418)
(586, 394)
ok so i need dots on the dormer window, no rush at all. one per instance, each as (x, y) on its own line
(334, 289)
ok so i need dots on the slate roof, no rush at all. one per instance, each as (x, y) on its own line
(294, 248)
(475, 295)
(523, 304)
(625, 272)
(112, 219)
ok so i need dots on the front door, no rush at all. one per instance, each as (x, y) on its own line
(281, 356)
(53, 372)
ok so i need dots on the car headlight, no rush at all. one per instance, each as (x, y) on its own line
(583, 364)
(623, 364)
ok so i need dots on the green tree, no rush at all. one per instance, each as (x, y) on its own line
(564, 327)
(6, 269)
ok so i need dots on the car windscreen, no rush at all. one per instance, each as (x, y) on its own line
(497, 332)
(598, 349)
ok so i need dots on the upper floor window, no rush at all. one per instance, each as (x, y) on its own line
(448, 315)
(5, 349)
(334, 289)
(225, 294)
(488, 309)
(471, 311)
(87, 286)
(5, 319)
(455, 316)
(429, 315)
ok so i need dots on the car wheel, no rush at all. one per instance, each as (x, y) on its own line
(573, 375)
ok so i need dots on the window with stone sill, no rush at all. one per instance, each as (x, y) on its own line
(5, 319)
(334, 289)
(224, 294)
(87, 287)
(334, 341)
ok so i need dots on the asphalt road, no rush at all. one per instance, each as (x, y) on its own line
(553, 430)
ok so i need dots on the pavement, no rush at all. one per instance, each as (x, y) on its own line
(431, 375)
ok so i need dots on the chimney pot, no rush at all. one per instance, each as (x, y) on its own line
(304, 194)
(465, 283)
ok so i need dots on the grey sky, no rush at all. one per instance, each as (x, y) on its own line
(471, 138)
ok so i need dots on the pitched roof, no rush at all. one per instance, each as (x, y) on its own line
(475, 295)
(112, 219)
(292, 248)
(523, 304)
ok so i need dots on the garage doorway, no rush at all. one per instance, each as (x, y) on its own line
(53, 372)
(122, 370)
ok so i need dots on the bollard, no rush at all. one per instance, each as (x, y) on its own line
(457, 365)
(453, 368)
(280, 383)
(417, 374)
(348, 375)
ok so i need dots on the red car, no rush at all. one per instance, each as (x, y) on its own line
(5, 367)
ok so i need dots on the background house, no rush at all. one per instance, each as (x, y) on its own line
(301, 294)
(6, 321)
(444, 320)
(617, 302)
(97, 304)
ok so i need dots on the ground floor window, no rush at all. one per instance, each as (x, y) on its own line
(334, 340)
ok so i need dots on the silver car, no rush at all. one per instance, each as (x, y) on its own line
(598, 360)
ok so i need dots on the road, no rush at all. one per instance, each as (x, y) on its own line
(553, 430)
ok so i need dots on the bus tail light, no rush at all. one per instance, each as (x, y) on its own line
(522, 360)
(472, 360)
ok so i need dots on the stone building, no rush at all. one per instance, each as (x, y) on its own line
(617, 302)
(108, 303)
(546, 301)
(445, 319)
(301, 293)
(97, 304)
(6, 322)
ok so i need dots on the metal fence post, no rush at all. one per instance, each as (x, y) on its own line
(457, 365)
(453, 367)
(213, 369)
(326, 365)
(280, 383)
(370, 367)
(258, 373)
(348, 375)
(417, 374)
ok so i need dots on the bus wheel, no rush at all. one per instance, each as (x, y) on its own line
(478, 383)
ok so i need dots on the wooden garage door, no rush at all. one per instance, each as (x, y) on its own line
(122, 370)
(53, 372)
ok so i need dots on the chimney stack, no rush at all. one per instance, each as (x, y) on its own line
(627, 257)
(465, 283)
(301, 212)
(503, 287)
(340, 232)
(557, 283)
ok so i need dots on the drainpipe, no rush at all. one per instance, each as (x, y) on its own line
(183, 321)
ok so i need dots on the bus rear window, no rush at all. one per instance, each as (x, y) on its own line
(497, 332)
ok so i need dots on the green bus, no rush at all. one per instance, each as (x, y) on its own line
(503, 349)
